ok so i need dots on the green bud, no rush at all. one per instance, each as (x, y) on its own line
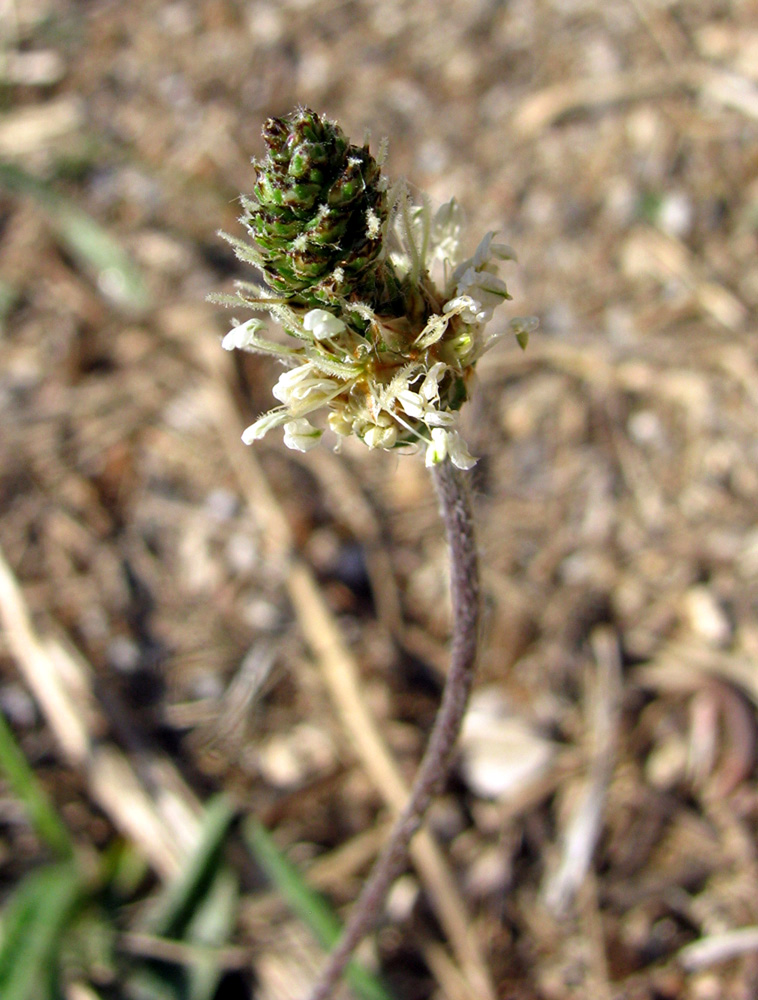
(319, 206)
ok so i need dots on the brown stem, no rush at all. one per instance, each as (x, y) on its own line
(455, 509)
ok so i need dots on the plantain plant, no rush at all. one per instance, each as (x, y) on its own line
(384, 322)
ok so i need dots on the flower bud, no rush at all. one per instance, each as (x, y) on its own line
(319, 210)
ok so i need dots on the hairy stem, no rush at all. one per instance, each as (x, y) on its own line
(464, 588)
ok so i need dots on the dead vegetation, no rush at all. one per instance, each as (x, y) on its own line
(189, 616)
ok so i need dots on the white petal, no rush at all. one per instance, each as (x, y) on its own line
(340, 423)
(300, 435)
(482, 252)
(302, 390)
(380, 437)
(459, 453)
(502, 251)
(446, 231)
(412, 403)
(436, 450)
(231, 340)
(322, 324)
(430, 386)
(467, 281)
(242, 335)
(293, 376)
(491, 283)
(261, 427)
(439, 418)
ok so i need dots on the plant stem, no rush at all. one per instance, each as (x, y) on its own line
(456, 514)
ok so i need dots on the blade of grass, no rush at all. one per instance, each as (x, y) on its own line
(27, 787)
(153, 982)
(210, 928)
(198, 909)
(177, 903)
(33, 926)
(116, 274)
(9, 295)
(308, 905)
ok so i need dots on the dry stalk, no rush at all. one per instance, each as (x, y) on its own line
(455, 509)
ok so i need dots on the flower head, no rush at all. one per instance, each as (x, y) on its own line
(347, 263)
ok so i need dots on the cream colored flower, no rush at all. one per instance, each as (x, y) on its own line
(322, 324)
(394, 378)
(304, 389)
(301, 435)
(448, 444)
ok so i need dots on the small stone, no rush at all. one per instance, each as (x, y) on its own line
(706, 617)
(501, 753)
(675, 214)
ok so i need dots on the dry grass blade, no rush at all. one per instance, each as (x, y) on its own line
(165, 826)
(719, 948)
(584, 826)
(544, 108)
(28, 130)
(682, 663)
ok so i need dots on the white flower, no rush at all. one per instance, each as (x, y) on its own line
(340, 423)
(458, 452)
(447, 226)
(430, 387)
(414, 404)
(245, 337)
(448, 444)
(241, 336)
(486, 290)
(302, 389)
(300, 435)
(476, 278)
(261, 427)
(487, 250)
(394, 381)
(424, 404)
(323, 324)
(380, 437)
(436, 450)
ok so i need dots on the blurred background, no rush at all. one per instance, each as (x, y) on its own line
(201, 641)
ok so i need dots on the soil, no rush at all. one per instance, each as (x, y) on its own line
(603, 812)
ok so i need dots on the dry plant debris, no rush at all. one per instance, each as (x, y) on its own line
(615, 145)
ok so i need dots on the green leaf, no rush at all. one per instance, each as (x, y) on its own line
(309, 905)
(199, 909)
(176, 905)
(154, 982)
(211, 927)
(27, 787)
(9, 296)
(117, 276)
(33, 926)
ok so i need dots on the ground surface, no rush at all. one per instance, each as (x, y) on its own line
(615, 145)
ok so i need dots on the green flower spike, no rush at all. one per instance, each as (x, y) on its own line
(346, 263)
(319, 212)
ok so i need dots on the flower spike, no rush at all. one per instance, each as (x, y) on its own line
(346, 260)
